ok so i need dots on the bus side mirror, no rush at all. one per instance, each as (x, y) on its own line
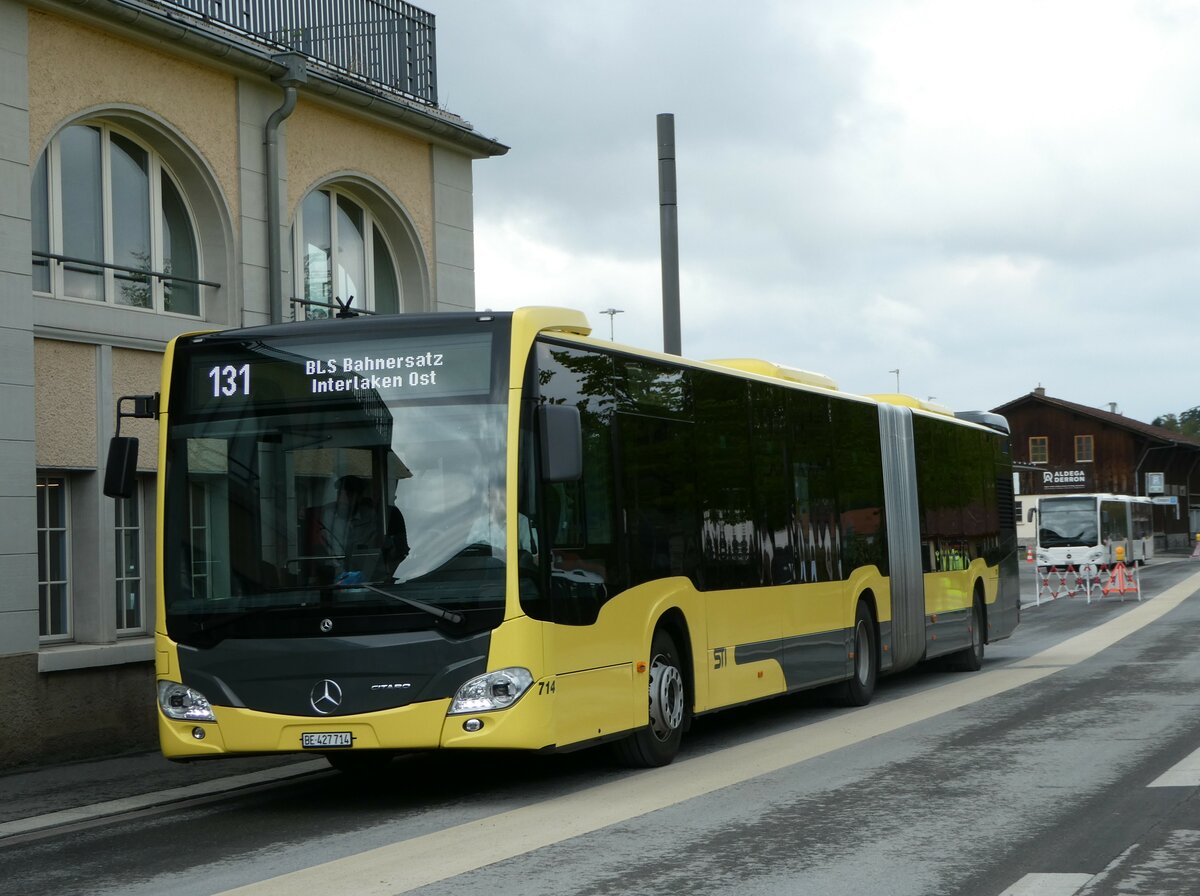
(121, 468)
(562, 442)
(1032, 514)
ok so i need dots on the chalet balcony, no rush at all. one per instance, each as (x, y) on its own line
(379, 44)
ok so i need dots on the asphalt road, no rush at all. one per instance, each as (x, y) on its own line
(1068, 765)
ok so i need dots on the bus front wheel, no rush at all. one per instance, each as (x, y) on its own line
(658, 742)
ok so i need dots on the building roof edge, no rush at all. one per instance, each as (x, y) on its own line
(1147, 430)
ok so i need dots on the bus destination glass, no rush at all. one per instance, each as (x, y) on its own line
(232, 378)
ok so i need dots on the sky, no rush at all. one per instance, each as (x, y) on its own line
(985, 197)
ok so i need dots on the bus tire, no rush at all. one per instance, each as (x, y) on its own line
(970, 659)
(858, 689)
(658, 742)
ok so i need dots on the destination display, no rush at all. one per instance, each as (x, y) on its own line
(230, 376)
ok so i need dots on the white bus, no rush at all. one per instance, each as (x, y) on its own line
(1074, 530)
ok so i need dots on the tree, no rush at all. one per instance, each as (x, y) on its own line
(1189, 421)
(1186, 423)
(1166, 421)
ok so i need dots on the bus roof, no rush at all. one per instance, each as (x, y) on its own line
(533, 319)
(910, 401)
(777, 371)
(1104, 496)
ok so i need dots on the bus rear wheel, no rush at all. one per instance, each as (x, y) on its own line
(658, 742)
(860, 687)
(970, 659)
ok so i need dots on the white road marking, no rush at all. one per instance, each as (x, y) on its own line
(1048, 885)
(417, 862)
(1185, 774)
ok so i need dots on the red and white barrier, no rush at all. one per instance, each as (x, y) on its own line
(1069, 582)
(1044, 574)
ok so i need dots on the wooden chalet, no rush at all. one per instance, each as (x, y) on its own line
(1064, 448)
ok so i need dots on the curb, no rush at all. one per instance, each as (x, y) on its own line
(158, 798)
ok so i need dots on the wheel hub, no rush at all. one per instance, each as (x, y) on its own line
(666, 698)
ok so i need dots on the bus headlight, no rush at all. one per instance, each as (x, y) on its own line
(178, 701)
(495, 690)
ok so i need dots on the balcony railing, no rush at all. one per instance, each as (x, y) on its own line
(383, 43)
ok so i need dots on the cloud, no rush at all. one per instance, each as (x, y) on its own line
(985, 197)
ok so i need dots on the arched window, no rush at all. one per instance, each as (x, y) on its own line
(342, 252)
(110, 224)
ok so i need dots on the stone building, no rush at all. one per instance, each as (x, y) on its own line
(167, 170)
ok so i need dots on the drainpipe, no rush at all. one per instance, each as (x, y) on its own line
(1137, 471)
(295, 75)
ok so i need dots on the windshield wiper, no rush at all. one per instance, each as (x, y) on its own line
(433, 610)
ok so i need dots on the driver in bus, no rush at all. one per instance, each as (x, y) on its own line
(348, 532)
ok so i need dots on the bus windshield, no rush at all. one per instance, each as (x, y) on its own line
(1068, 522)
(375, 507)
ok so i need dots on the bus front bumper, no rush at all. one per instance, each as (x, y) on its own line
(526, 725)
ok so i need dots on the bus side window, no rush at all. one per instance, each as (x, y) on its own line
(573, 524)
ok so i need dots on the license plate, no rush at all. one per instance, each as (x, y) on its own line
(323, 740)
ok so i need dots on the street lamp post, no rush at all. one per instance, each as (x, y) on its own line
(611, 312)
(897, 372)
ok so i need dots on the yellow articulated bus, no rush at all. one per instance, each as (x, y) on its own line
(491, 531)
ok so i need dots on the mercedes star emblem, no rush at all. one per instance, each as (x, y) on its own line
(325, 697)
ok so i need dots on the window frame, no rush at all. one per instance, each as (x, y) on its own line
(199, 520)
(372, 227)
(45, 581)
(156, 169)
(1042, 442)
(1090, 442)
(120, 527)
